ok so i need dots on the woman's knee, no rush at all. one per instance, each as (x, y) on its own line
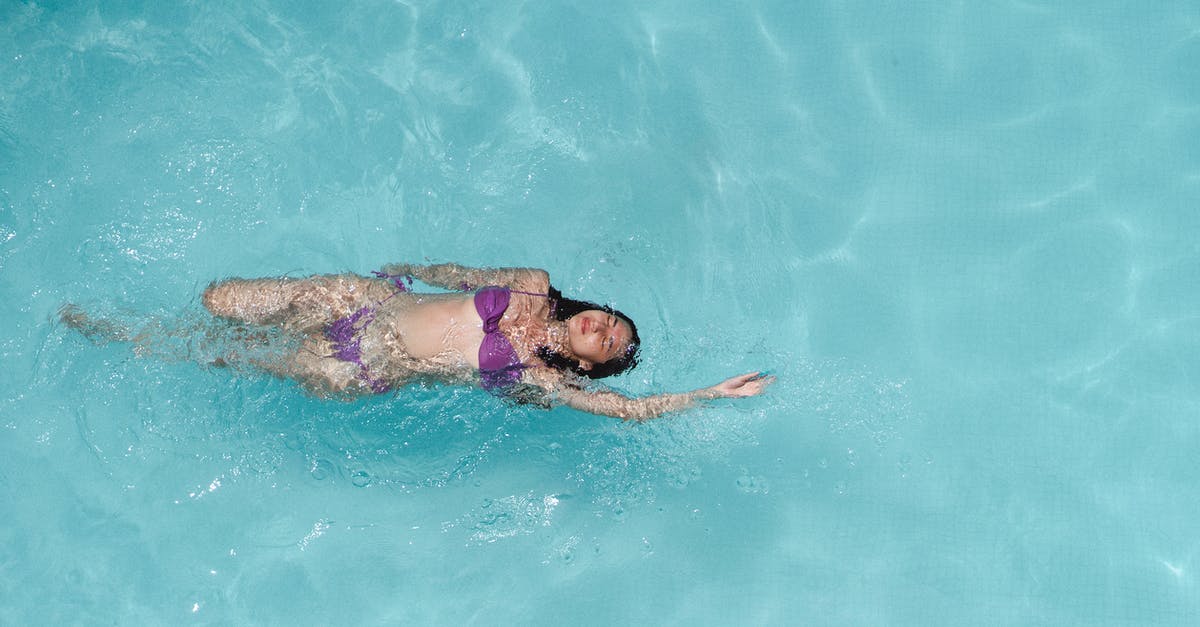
(214, 298)
(222, 298)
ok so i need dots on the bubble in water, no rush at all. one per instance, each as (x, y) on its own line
(564, 553)
(496, 519)
(492, 520)
(647, 547)
(752, 484)
(360, 478)
(294, 441)
(321, 469)
(264, 461)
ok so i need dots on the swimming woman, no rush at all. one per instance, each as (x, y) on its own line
(505, 329)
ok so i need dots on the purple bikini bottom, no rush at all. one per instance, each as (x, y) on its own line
(345, 334)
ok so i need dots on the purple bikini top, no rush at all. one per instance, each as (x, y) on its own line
(499, 364)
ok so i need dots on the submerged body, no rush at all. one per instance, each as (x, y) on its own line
(405, 335)
(358, 335)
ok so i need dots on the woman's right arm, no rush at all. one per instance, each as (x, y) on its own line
(452, 276)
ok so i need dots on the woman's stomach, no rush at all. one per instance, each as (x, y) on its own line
(443, 330)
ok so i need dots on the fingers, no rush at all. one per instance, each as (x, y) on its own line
(749, 384)
(742, 379)
(754, 377)
(755, 386)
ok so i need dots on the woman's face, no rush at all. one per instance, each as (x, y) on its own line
(595, 337)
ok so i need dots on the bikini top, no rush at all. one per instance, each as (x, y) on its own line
(499, 364)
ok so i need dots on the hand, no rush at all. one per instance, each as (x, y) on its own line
(750, 384)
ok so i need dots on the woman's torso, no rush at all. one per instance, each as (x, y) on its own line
(440, 332)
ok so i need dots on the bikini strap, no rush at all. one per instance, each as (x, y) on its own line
(527, 293)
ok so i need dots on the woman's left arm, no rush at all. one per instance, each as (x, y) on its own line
(608, 403)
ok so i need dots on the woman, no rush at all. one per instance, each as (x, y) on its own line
(508, 331)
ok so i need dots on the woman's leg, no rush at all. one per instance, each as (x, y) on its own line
(97, 330)
(304, 304)
(302, 308)
(319, 373)
(186, 338)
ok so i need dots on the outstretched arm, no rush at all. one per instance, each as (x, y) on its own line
(614, 404)
(452, 276)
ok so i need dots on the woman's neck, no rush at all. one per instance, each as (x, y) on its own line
(555, 338)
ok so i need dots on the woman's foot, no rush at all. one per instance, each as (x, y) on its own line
(94, 330)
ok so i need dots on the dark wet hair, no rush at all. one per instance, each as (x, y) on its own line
(563, 308)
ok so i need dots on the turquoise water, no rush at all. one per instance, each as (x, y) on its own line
(963, 236)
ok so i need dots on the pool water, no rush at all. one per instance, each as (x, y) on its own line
(963, 237)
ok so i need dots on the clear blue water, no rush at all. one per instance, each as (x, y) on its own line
(963, 236)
